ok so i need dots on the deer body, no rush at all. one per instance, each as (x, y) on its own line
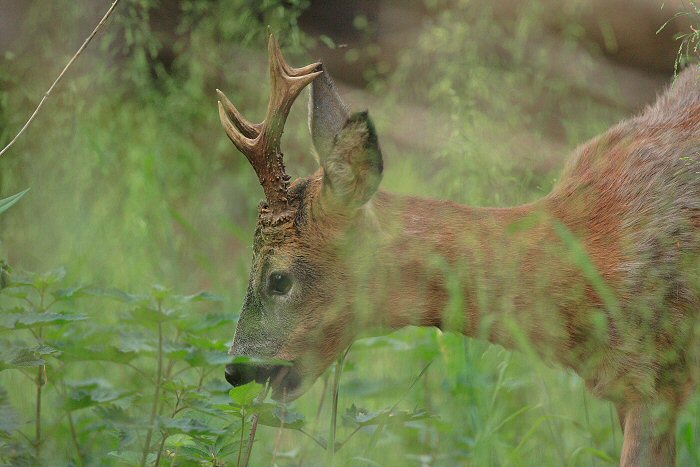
(600, 276)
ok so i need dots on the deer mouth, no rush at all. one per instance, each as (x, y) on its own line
(285, 380)
(286, 384)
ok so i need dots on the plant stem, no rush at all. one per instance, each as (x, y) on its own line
(40, 381)
(37, 415)
(63, 72)
(320, 443)
(160, 449)
(240, 441)
(200, 383)
(278, 439)
(156, 396)
(74, 437)
(322, 401)
(254, 425)
(319, 408)
(375, 436)
(330, 446)
(349, 436)
(176, 409)
(253, 429)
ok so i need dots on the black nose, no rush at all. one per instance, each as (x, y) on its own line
(238, 374)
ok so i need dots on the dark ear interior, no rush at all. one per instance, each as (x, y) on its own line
(353, 167)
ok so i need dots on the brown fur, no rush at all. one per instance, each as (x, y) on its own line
(630, 200)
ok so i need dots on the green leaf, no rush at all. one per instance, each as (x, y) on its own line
(114, 294)
(160, 292)
(21, 280)
(90, 393)
(197, 323)
(49, 278)
(199, 297)
(260, 408)
(22, 357)
(209, 403)
(176, 351)
(225, 443)
(136, 342)
(67, 294)
(149, 314)
(80, 352)
(115, 416)
(275, 417)
(6, 203)
(227, 449)
(30, 319)
(9, 418)
(194, 453)
(187, 426)
(207, 343)
(212, 359)
(199, 352)
(378, 342)
(245, 394)
(200, 358)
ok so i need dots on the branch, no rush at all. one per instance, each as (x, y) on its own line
(60, 76)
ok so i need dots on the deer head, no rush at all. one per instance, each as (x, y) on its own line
(298, 307)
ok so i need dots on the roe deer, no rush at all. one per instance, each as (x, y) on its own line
(600, 275)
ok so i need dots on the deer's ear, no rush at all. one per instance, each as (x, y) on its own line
(327, 114)
(353, 166)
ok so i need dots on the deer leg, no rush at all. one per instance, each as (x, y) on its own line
(649, 440)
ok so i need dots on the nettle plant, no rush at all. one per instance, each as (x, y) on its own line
(135, 389)
(144, 389)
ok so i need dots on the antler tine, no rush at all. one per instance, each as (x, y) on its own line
(260, 142)
(273, 49)
(250, 130)
(244, 144)
(287, 83)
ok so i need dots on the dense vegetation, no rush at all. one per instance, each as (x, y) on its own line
(138, 203)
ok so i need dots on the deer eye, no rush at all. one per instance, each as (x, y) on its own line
(279, 283)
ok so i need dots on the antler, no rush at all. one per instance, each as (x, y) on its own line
(260, 142)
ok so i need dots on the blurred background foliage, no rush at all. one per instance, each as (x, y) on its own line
(134, 183)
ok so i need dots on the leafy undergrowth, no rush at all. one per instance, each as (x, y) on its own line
(144, 390)
(133, 182)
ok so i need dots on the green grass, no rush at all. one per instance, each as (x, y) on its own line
(134, 183)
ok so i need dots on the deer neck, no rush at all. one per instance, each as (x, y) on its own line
(502, 274)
